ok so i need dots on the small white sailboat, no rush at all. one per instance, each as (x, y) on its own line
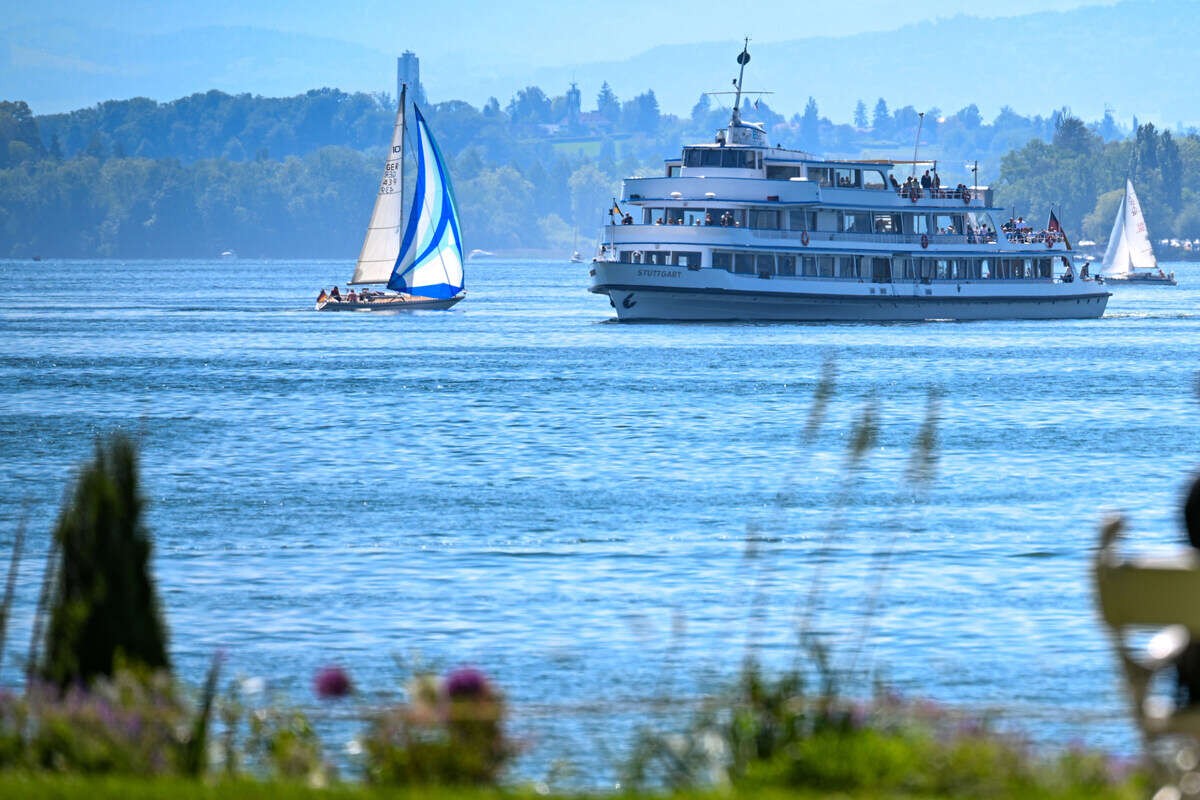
(575, 257)
(421, 266)
(1130, 256)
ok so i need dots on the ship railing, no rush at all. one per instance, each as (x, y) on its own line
(960, 194)
(879, 238)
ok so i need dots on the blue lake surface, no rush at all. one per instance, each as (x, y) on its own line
(524, 485)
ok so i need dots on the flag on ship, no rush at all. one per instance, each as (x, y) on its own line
(1053, 225)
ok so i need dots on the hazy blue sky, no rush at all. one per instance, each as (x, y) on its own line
(512, 31)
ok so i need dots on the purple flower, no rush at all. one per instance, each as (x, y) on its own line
(467, 683)
(330, 682)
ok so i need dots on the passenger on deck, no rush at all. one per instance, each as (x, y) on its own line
(1069, 275)
(937, 181)
(628, 220)
(658, 221)
(335, 294)
(708, 219)
(895, 183)
(1083, 271)
(352, 296)
(926, 181)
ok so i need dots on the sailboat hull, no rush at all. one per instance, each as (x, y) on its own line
(392, 304)
(1142, 280)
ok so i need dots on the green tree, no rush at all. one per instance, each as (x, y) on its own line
(105, 607)
(860, 115)
(701, 109)
(810, 127)
(882, 120)
(607, 104)
(591, 193)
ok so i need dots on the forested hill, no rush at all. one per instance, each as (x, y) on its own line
(295, 176)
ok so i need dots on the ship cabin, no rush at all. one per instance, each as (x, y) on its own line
(741, 205)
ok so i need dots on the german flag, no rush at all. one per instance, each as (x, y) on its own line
(1053, 225)
(616, 209)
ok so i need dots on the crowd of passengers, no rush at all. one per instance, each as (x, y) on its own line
(1020, 231)
(930, 183)
(365, 296)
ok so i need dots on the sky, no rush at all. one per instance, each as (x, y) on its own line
(523, 31)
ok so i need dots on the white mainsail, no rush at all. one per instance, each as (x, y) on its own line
(1129, 243)
(430, 263)
(382, 243)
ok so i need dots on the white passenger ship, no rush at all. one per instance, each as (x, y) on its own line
(740, 230)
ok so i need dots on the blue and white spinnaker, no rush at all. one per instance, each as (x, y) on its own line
(430, 263)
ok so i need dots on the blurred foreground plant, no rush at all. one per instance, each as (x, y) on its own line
(451, 731)
(104, 609)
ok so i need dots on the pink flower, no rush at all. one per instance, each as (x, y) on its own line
(467, 683)
(331, 682)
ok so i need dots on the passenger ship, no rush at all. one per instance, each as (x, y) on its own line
(740, 230)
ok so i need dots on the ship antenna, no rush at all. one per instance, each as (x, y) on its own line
(917, 145)
(743, 59)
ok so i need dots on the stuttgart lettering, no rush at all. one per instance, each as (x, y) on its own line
(659, 273)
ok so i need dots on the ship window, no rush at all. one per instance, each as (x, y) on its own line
(856, 221)
(928, 268)
(710, 158)
(985, 268)
(778, 173)
(692, 157)
(765, 264)
(743, 262)
(821, 175)
(1045, 269)
(674, 216)
(947, 223)
(825, 264)
(662, 259)
(916, 224)
(740, 159)
(798, 220)
(826, 221)
(691, 260)
(848, 178)
(873, 179)
(786, 265)
(627, 256)
(760, 218)
(1029, 268)
(721, 260)
(653, 216)
(672, 170)
(943, 269)
(809, 265)
(847, 267)
(881, 270)
(887, 223)
(693, 216)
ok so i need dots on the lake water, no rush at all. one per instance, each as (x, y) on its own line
(523, 485)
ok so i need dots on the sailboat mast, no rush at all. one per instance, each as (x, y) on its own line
(403, 136)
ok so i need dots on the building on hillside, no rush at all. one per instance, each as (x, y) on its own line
(408, 70)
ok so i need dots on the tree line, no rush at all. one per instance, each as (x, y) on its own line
(295, 176)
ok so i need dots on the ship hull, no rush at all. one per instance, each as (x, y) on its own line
(639, 293)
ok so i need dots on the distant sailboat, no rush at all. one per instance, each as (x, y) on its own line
(1130, 257)
(575, 257)
(423, 266)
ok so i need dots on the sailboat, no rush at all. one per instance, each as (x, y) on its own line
(1130, 257)
(576, 258)
(421, 265)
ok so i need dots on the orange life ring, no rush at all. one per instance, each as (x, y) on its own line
(914, 195)
(804, 238)
(924, 240)
(1049, 241)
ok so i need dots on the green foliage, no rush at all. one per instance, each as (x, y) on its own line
(766, 734)
(105, 609)
(282, 741)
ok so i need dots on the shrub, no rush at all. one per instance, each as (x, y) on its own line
(104, 607)
(450, 732)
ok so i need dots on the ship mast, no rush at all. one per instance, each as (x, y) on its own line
(743, 59)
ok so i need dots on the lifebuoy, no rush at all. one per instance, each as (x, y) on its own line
(966, 197)
(1049, 241)
(913, 195)
(924, 240)
(804, 238)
